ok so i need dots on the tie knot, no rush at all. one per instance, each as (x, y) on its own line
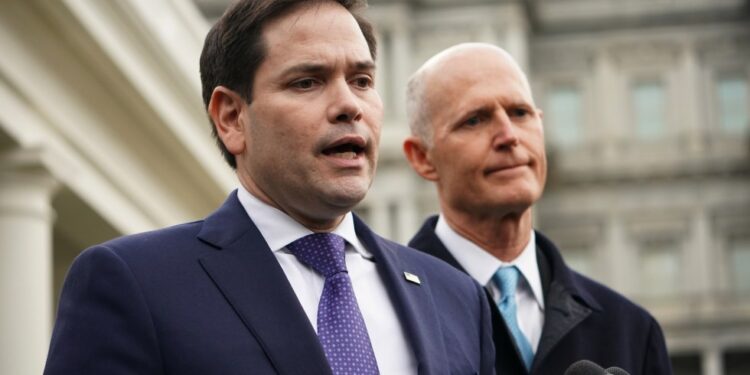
(506, 279)
(323, 252)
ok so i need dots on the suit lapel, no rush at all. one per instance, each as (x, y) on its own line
(252, 281)
(507, 358)
(566, 304)
(413, 302)
(562, 314)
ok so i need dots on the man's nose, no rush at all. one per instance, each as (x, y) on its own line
(345, 104)
(505, 133)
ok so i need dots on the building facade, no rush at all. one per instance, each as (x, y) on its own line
(102, 133)
(647, 119)
(647, 123)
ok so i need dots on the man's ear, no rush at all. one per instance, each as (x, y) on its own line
(226, 109)
(419, 158)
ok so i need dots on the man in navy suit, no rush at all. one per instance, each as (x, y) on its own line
(478, 135)
(283, 278)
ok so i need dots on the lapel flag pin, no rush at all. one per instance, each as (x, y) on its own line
(412, 278)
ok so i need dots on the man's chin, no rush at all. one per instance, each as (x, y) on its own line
(347, 196)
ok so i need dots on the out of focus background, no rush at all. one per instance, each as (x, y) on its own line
(647, 118)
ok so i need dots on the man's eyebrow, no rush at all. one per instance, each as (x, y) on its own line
(308, 68)
(464, 113)
(314, 68)
(364, 65)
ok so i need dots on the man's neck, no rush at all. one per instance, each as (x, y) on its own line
(503, 236)
(317, 225)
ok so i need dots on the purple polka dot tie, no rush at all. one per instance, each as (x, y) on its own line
(341, 328)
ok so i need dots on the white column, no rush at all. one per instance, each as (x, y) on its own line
(701, 256)
(516, 36)
(712, 363)
(608, 106)
(26, 218)
(691, 106)
(383, 81)
(379, 221)
(408, 218)
(619, 258)
(486, 33)
(400, 67)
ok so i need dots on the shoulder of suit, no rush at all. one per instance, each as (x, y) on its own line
(159, 239)
(612, 301)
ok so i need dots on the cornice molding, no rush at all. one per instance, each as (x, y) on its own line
(93, 81)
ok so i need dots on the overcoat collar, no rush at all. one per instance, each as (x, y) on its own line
(567, 305)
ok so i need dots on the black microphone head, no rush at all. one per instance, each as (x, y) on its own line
(617, 371)
(585, 367)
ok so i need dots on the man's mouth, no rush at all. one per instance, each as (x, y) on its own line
(346, 148)
(503, 168)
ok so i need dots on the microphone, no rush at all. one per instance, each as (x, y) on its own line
(616, 371)
(586, 367)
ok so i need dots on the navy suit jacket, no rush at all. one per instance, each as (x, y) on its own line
(582, 319)
(209, 297)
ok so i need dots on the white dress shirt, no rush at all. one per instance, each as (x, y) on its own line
(481, 265)
(389, 342)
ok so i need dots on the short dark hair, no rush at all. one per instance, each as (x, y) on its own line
(234, 47)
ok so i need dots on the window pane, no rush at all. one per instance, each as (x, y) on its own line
(686, 364)
(648, 103)
(732, 94)
(564, 116)
(660, 269)
(739, 258)
(737, 362)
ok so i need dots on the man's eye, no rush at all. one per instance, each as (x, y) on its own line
(518, 112)
(363, 82)
(304, 84)
(473, 121)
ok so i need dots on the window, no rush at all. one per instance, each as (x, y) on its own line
(732, 104)
(739, 264)
(660, 269)
(564, 116)
(737, 361)
(648, 107)
(686, 364)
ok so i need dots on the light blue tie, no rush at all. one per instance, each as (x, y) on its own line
(506, 278)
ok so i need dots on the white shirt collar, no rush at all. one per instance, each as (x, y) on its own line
(481, 265)
(279, 229)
